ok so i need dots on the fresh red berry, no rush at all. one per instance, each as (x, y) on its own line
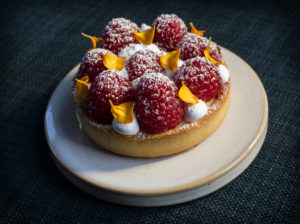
(169, 31)
(108, 85)
(201, 77)
(143, 62)
(215, 51)
(157, 107)
(92, 63)
(193, 45)
(118, 34)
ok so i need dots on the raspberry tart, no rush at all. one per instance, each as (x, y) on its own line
(151, 91)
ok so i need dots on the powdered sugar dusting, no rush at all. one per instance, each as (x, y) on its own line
(133, 48)
(92, 63)
(93, 55)
(201, 76)
(192, 45)
(143, 62)
(120, 25)
(189, 72)
(169, 31)
(183, 125)
(110, 80)
(158, 79)
(170, 34)
(108, 85)
(118, 34)
(158, 107)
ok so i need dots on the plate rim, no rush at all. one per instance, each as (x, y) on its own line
(180, 188)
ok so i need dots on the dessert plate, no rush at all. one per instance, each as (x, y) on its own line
(165, 180)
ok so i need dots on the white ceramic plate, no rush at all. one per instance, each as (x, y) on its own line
(166, 180)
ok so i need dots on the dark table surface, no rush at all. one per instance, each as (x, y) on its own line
(41, 42)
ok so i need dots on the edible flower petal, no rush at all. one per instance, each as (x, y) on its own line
(113, 62)
(170, 61)
(186, 95)
(194, 30)
(82, 88)
(123, 112)
(95, 40)
(145, 37)
(208, 57)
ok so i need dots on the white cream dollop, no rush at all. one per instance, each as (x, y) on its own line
(132, 48)
(144, 27)
(124, 72)
(170, 74)
(224, 72)
(194, 112)
(126, 129)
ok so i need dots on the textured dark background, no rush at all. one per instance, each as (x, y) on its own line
(41, 42)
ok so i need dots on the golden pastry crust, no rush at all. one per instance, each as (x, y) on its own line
(183, 137)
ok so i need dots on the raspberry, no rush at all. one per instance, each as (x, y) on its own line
(118, 34)
(169, 31)
(143, 62)
(158, 107)
(108, 85)
(92, 64)
(201, 77)
(215, 52)
(193, 45)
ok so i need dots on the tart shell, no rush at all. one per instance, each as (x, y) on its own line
(178, 139)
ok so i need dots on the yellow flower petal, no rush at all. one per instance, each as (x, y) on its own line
(123, 112)
(194, 30)
(145, 37)
(186, 95)
(113, 62)
(82, 88)
(170, 60)
(208, 57)
(95, 40)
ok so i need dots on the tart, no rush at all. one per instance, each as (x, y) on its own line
(151, 91)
